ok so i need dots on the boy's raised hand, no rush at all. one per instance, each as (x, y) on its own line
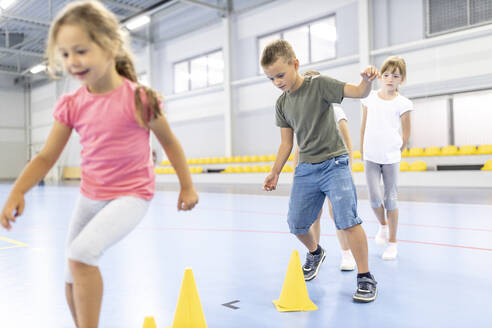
(16, 203)
(270, 182)
(369, 74)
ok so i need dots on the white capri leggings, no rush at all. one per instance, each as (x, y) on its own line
(389, 172)
(96, 225)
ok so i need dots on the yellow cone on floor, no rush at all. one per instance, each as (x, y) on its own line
(189, 313)
(294, 295)
(149, 322)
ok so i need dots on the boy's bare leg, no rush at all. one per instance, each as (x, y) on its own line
(316, 228)
(358, 244)
(87, 292)
(392, 224)
(70, 301)
(342, 238)
(309, 240)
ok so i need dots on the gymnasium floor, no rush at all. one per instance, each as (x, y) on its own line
(239, 247)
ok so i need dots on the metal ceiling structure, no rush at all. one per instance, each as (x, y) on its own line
(24, 26)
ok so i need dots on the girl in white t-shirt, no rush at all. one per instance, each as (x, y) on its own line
(348, 261)
(385, 113)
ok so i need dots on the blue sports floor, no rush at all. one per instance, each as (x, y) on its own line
(239, 247)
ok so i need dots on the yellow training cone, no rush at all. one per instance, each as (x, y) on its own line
(189, 313)
(149, 322)
(294, 295)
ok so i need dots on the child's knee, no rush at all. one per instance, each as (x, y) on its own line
(80, 254)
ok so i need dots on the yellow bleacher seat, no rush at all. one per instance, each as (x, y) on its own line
(254, 159)
(246, 159)
(228, 169)
(484, 150)
(358, 167)
(418, 166)
(71, 173)
(432, 151)
(237, 169)
(271, 158)
(415, 152)
(238, 159)
(449, 151)
(256, 169)
(222, 160)
(266, 168)
(404, 166)
(287, 168)
(247, 169)
(193, 161)
(487, 166)
(404, 153)
(165, 162)
(263, 158)
(229, 159)
(467, 150)
(357, 154)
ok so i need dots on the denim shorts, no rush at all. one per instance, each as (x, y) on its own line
(314, 182)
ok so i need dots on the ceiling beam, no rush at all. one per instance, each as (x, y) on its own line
(22, 52)
(27, 20)
(205, 5)
(131, 8)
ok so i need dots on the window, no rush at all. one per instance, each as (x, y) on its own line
(199, 72)
(312, 42)
(451, 15)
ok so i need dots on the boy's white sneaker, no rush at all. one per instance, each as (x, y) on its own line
(348, 261)
(391, 252)
(381, 237)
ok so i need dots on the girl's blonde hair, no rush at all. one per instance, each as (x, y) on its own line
(103, 28)
(392, 63)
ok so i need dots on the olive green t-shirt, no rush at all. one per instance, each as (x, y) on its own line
(309, 112)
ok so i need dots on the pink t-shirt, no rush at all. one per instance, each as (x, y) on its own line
(115, 152)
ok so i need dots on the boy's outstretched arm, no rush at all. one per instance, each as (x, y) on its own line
(188, 196)
(34, 171)
(362, 90)
(287, 136)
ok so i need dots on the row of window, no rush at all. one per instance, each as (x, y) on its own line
(313, 42)
(316, 40)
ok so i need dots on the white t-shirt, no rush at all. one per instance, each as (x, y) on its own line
(339, 114)
(382, 137)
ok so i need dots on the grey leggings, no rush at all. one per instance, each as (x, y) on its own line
(96, 225)
(389, 172)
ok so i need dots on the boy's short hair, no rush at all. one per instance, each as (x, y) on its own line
(392, 63)
(276, 49)
(311, 73)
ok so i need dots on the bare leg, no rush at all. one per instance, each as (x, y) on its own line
(358, 244)
(87, 292)
(379, 211)
(392, 224)
(316, 228)
(70, 301)
(342, 238)
(309, 240)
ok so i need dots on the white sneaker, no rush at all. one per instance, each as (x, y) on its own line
(391, 252)
(348, 261)
(381, 237)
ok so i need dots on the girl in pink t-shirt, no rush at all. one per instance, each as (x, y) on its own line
(113, 114)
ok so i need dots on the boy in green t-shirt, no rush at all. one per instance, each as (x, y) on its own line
(305, 107)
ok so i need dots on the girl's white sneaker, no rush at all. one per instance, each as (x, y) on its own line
(381, 237)
(391, 252)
